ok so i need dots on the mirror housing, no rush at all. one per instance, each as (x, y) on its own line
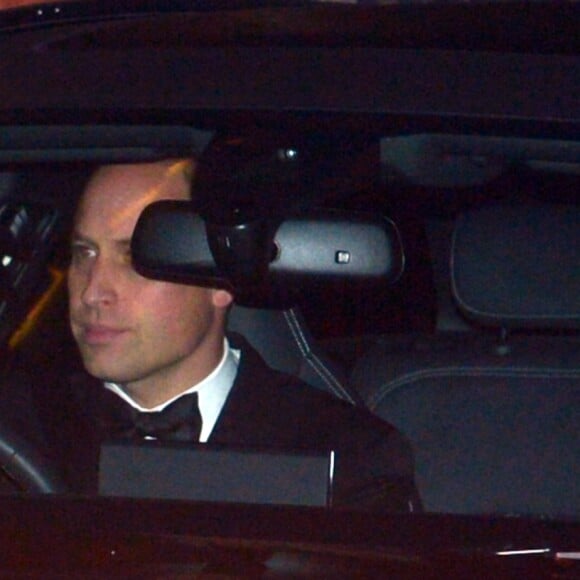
(173, 243)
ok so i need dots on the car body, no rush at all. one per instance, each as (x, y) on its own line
(425, 115)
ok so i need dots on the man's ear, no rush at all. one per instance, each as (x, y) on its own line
(221, 298)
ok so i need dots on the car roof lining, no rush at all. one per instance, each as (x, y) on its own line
(441, 160)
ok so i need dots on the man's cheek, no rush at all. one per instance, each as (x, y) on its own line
(164, 321)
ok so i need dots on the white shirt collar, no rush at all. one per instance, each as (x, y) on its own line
(212, 391)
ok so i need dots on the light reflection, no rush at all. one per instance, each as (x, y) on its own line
(523, 552)
(44, 8)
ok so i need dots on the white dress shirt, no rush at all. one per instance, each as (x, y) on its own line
(212, 391)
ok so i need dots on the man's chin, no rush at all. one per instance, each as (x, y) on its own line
(105, 370)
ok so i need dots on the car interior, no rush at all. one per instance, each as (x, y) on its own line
(493, 406)
(392, 192)
(472, 352)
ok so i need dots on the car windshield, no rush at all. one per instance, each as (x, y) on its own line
(354, 225)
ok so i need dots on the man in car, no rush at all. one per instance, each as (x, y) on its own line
(150, 347)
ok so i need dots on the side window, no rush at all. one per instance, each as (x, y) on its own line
(26, 238)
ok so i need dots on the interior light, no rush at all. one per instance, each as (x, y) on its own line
(287, 154)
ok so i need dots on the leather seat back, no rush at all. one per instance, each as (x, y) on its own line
(284, 341)
(493, 414)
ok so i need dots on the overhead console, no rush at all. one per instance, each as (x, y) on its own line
(255, 227)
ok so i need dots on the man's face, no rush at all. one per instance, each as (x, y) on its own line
(156, 338)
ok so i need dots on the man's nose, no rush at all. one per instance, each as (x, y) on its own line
(100, 284)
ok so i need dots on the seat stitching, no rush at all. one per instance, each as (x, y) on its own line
(416, 376)
(312, 359)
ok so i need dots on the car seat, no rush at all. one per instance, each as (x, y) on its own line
(284, 341)
(493, 413)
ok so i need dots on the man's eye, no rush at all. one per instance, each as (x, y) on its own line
(82, 252)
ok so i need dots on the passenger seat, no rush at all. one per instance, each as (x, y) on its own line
(494, 413)
(284, 341)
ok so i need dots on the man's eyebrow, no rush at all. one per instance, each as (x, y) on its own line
(77, 237)
(123, 243)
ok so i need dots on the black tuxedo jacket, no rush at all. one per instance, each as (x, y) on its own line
(265, 409)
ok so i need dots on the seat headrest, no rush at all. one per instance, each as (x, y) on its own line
(518, 266)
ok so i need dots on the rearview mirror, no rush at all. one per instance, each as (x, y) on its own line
(172, 242)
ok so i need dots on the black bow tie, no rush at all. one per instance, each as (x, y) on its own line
(179, 421)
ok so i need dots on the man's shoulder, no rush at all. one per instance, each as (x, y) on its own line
(374, 461)
(291, 400)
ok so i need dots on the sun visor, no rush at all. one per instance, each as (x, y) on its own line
(172, 242)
